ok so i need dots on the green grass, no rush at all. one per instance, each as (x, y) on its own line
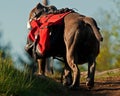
(14, 82)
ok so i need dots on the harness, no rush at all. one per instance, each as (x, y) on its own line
(40, 29)
(41, 21)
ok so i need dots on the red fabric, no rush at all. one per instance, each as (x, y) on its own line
(40, 27)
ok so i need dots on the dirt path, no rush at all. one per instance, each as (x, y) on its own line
(109, 86)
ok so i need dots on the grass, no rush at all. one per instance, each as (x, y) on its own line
(103, 76)
(16, 83)
(108, 74)
(12, 81)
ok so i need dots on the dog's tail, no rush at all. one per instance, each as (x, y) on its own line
(93, 25)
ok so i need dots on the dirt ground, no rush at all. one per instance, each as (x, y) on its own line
(109, 86)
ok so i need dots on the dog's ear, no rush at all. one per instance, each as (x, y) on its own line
(39, 6)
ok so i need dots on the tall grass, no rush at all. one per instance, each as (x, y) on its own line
(14, 82)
